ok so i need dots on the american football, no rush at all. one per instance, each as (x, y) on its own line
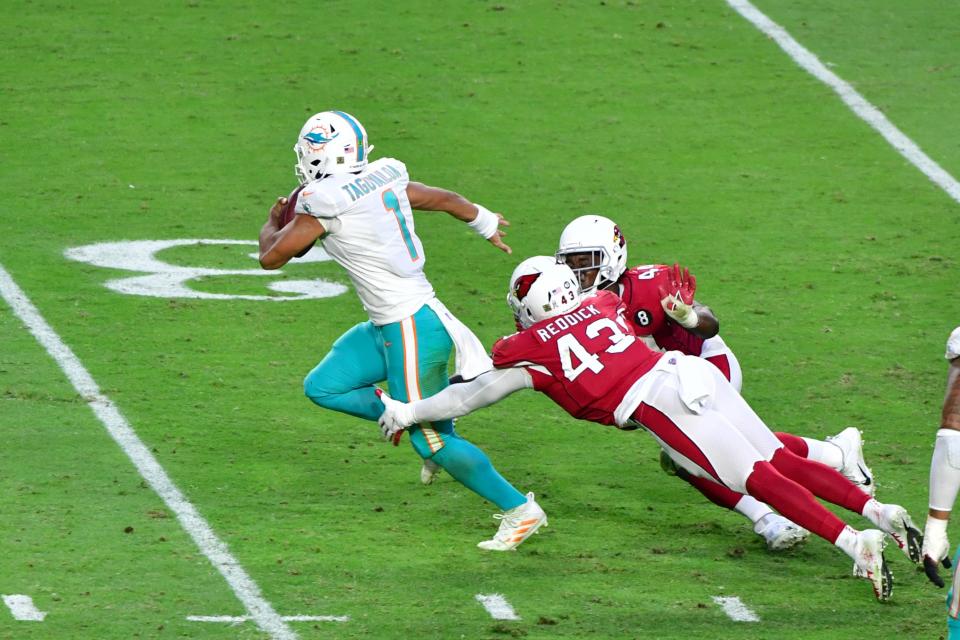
(290, 211)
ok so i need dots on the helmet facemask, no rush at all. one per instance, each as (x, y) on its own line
(592, 266)
(595, 249)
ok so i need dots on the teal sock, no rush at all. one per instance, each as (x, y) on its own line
(472, 468)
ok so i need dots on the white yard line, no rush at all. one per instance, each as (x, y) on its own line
(857, 103)
(22, 608)
(246, 590)
(497, 606)
(239, 619)
(733, 607)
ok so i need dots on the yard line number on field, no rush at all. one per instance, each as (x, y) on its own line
(857, 103)
(246, 590)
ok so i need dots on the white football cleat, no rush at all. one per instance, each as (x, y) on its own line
(781, 534)
(854, 469)
(896, 522)
(516, 525)
(429, 471)
(869, 563)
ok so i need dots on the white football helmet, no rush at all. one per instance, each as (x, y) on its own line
(330, 142)
(595, 249)
(540, 288)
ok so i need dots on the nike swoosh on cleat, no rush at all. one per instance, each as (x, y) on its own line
(866, 481)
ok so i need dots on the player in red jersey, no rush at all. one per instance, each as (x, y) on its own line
(596, 249)
(583, 354)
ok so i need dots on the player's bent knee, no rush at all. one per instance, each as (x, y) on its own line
(314, 389)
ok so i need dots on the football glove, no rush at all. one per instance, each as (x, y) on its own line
(677, 298)
(395, 419)
(935, 549)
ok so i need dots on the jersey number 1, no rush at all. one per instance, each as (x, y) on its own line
(392, 204)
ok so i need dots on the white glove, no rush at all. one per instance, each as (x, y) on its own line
(935, 549)
(395, 419)
(684, 314)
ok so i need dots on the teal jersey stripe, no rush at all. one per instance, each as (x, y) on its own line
(357, 131)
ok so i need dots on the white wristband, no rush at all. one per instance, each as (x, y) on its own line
(486, 223)
(691, 321)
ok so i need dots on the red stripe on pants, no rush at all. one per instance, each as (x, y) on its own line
(665, 429)
(721, 362)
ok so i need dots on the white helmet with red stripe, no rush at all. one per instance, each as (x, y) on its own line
(540, 288)
(330, 142)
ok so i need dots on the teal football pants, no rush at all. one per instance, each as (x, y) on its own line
(412, 356)
(953, 606)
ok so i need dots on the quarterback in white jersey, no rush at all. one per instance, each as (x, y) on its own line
(369, 227)
(362, 213)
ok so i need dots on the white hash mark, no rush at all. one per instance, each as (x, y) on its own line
(22, 608)
(734, 607)
(497, 606)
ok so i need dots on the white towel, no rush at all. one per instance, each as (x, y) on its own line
(472, 358)
(697, 382)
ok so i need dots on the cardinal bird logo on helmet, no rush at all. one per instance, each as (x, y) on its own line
(618, 238)
(522, 287)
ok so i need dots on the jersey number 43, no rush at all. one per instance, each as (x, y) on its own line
(570, 348)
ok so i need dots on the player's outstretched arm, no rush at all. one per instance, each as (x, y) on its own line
(480, 219)
(454, 401)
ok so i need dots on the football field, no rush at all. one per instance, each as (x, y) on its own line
(162, 474)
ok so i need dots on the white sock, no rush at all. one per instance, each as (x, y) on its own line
(825, 452)
(753, 509)
(847, 541)
(944, 476)
(871, 511)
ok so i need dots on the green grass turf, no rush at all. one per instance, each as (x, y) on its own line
(827, 257)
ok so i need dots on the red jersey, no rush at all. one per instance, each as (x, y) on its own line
(640, 289)
(585, 360)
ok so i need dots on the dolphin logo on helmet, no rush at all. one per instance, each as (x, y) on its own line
(330, 142)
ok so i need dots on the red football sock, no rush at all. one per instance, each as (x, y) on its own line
(820, 479)
(793, 501)
(795, 443)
